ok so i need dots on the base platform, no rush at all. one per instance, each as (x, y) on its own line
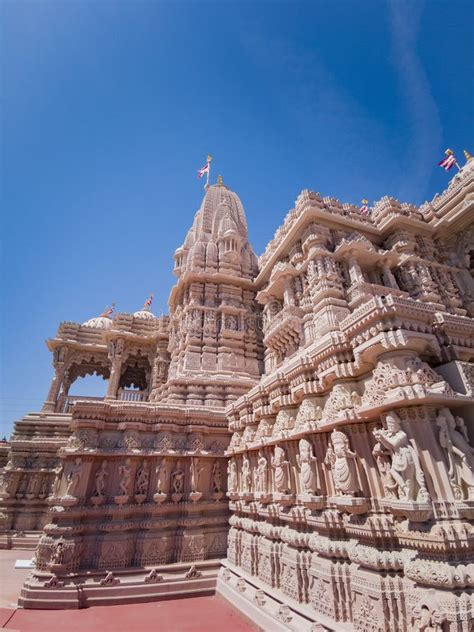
(269, 608)
(81, 590)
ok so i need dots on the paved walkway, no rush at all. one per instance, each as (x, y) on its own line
(195, 614)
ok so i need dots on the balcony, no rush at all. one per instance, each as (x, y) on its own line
(124, 395)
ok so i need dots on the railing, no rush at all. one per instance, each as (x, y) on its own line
(124, 395)
(76, 398)
(130, 395)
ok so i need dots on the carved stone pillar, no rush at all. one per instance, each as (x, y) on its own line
(66, 385)
(115, 355)
(56, 382)
(115, 372)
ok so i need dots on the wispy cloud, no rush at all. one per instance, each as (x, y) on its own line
(424, 134)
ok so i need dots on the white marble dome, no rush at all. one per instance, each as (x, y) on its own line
(100, 322)
(144, 314)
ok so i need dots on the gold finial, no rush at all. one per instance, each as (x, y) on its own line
(219, 179)
(467, 155)
(209, 158)
(449, 152)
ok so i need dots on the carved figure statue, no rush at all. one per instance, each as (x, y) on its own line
(381, 456)
(217, 476)
(32, 484)
(22, 485)
(74, 477)
(305, 460)
(6, 485)
(142, 479)
(342, 461)
(261, 479)
(177, 478)
(100, 477)
(425, 620)
(57, 554)
(280, 465)
(57, 480)
(44, 485)
(232, 475)
(161, 473)
(125, 473)
(453, 438)
(195, 472)
(406, 468)
(246, 475)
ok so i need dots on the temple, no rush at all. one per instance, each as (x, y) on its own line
(296, 434)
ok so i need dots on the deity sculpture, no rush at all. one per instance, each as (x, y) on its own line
(177, 478)
(342, 461)
(246, 475)
(305, 460)
(125, 473)
(44, 486)
(280, 465)
(425, 620)
(382, 459)
(142, 479)
(216, 477)
(261, 475)
(195, 474)
(58, 477)
(32, 484)
(22, 485)
(74, 477)
(100, 477)
(161, 472)
(453, 438)
(405, 468)
(232, 476)
(57, 554)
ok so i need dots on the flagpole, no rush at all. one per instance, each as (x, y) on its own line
(209, 160)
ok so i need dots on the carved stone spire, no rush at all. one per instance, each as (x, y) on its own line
(214, 332)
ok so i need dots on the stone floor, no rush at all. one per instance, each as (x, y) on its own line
(196, 614)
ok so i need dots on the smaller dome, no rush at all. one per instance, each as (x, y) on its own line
(101, 322)
(145, 314)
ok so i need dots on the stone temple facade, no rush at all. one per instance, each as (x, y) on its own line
(319, 401)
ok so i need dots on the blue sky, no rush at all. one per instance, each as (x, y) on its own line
(108, 108)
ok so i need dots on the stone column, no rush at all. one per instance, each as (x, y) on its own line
(57, 381)
(115, 355)
(115, 371)
(66, 385)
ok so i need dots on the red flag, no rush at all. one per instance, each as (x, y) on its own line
(108, 311)
(364, 209)
(448, 162)
(203, 170)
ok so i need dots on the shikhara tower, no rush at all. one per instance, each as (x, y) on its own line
(332, 380)
(215, 352)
